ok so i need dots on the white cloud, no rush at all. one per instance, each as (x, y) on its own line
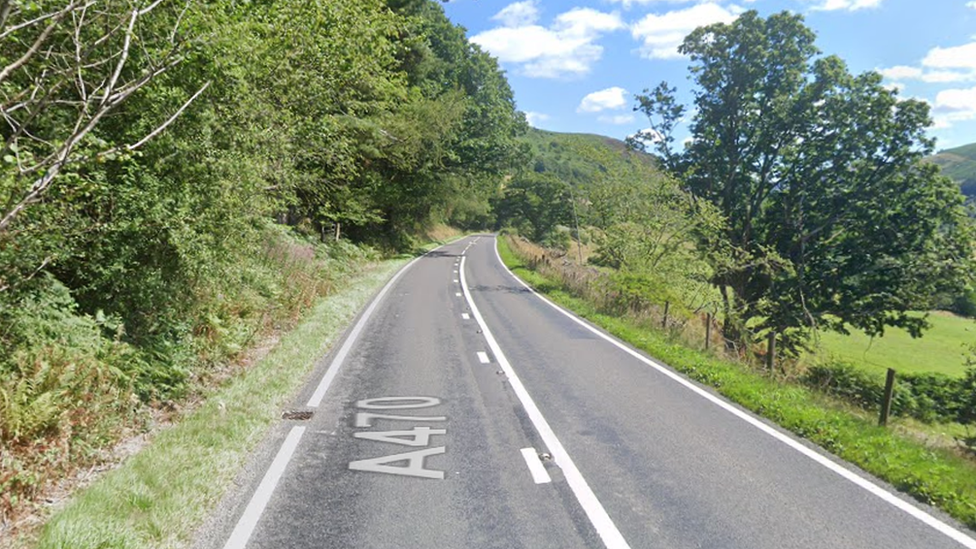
(566, 48)
(954, 105)
(610, 98)
(519, 14)
(939, 66)
(618, 120)
(662, 34)
(628, 3)
(957, 57)
(849, 5)
(956, 100)
(971, 4)
(901, 72)
(533, 118)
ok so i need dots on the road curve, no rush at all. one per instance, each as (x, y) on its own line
(462, 410)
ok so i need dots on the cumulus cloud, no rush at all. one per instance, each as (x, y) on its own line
(533, 118)
(607, 99)
(956, 57)
(954, 105)
(661, 34)
(939, 66)
(849, 5)
(629, 3)
(519, 14)
(568, 47)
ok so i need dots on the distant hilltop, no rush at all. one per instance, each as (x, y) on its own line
(959, 164)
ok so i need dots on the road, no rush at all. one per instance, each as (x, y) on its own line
(462, 410)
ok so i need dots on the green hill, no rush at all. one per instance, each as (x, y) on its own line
(959, 164)
(558, 153)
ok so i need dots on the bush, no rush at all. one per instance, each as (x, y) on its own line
(928, 397)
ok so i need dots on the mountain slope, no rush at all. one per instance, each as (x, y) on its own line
(558, 153)
(960, 164)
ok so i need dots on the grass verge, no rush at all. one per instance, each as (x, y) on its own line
(162, 494)
(934, 476)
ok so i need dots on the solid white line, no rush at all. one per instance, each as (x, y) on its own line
(929, 520)
(598, 516)
(333, 370)
(483, 357)
(465, 316)
(538, 472)
(245, 526)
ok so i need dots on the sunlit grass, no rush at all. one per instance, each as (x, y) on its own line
(941, 349)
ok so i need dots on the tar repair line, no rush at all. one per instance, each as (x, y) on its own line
(895, 501)
(259, 500)
(598, 516)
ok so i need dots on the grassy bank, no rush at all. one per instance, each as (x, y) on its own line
(159, 496)
(934, 476)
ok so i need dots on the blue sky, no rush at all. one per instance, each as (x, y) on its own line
(575, 65)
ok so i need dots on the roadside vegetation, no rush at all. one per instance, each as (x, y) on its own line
(935, 475)
(802, 215)
(180, 182)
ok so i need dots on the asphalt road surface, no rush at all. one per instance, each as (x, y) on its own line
(462, 410)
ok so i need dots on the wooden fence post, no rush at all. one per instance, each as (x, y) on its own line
(708, 330)
(664, 322)
(771, 352)
(889, 392)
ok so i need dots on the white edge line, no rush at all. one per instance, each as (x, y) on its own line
(611, 536)
(245, 525)
(483, 357)
(536, 469)
(929, 520)
(340, 356)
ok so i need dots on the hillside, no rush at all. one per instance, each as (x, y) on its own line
(959, 164)
(558, 153)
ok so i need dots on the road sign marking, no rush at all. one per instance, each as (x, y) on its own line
(594, 510)
(414, 468)
(536, 469)
(483, 357)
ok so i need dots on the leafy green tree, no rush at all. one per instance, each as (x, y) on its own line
(831, 220)
(538, 202)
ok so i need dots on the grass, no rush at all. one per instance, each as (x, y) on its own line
(161, 495)
(934, 476)
(941, 349)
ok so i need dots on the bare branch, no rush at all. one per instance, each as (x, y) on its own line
(169, 121)
(5, 73)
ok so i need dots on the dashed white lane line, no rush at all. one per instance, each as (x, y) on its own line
(458, 294)
(245, 526)
(536, 469)
(455, 281)
(611, 536)
(465, 316)
(872, 488)
(483, 357)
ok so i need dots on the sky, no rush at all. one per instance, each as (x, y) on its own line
(575, 65)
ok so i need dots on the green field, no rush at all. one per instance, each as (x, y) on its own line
(941, 349)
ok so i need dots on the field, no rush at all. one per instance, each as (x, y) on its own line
(941, 349)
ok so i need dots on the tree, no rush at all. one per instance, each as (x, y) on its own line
(831, 220)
